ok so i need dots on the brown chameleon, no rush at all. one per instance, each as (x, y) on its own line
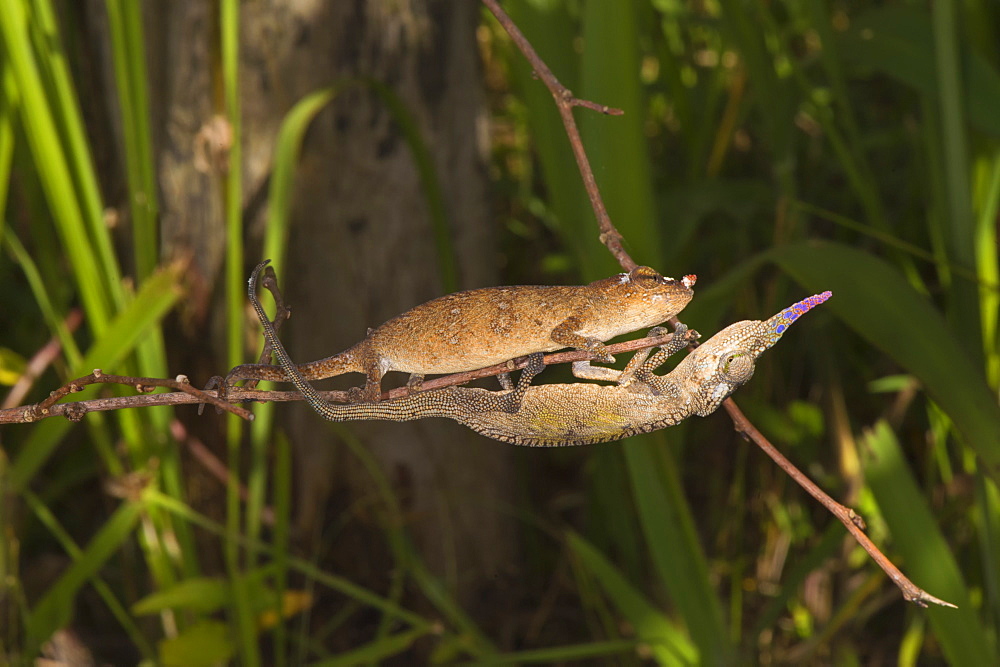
(581, 413)
(481, 327)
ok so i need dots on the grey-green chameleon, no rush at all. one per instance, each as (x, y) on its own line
(580, 413)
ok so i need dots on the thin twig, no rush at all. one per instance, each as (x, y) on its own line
(214, 466)
(40, 361)
(851, 519)
(188, 395)
(76, 410)
(565, 101)
(613, 240)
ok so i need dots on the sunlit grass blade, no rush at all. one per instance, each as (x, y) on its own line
(65, 109)
(234, 284)
(6, 152)
(879, 305)
(667, 642)
(154, 300)
(926, 557)
(25, 88)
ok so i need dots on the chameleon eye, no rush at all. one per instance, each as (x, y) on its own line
(738, 368)
(646, 277)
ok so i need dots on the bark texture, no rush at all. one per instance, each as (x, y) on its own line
(361, 246)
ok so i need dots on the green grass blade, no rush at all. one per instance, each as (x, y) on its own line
(128, 56)
(436, 205)
(121, 614)
(234, 288)
(668, 526)
(201, 594)
(926, 557)
(155, 298)
(304, 567)
(53, 609)
(667, 642)
(957, 225)
(281, 536)
(571, 654)
(551, 30)
(372, 652)
(286, 158)
(69, 119)
(878, 304)
(206, 643)
(617, 146)
(6, 151)
(24, 87)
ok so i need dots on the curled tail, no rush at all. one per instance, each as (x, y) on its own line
(405, 409)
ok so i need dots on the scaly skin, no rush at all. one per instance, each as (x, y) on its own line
(578, 414)
(478, 328)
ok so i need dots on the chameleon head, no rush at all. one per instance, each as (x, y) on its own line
(642, 297)
(726, 361)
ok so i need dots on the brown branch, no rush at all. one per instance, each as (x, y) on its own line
(76, 410)
(214, 466)
(610, 236)
(188, 395)
(851, 520)
(42, 360)
(565, 101)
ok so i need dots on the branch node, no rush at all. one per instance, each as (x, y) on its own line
(98, 372)
(75, 411)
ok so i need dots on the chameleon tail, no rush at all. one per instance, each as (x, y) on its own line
(778, 324)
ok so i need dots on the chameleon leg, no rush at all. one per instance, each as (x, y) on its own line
(505, 382)
(682, 336)
(512, 401)
(565, 334)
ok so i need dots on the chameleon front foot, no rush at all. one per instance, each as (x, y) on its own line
(512, 401)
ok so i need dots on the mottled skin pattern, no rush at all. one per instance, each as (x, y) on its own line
(579, 414)
(477, 328)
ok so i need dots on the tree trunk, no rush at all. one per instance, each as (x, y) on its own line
(361, 247)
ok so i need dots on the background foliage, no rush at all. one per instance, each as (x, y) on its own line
(775, 149)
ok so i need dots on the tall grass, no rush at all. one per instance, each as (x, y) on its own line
(775, 149)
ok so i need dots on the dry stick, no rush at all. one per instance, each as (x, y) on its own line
(565, 102)
(613, 240)
(40, 361)
(75, 411)
(214, 466)
(851, 520)
(192, 396)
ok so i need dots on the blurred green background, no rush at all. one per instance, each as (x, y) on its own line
(775, 149)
